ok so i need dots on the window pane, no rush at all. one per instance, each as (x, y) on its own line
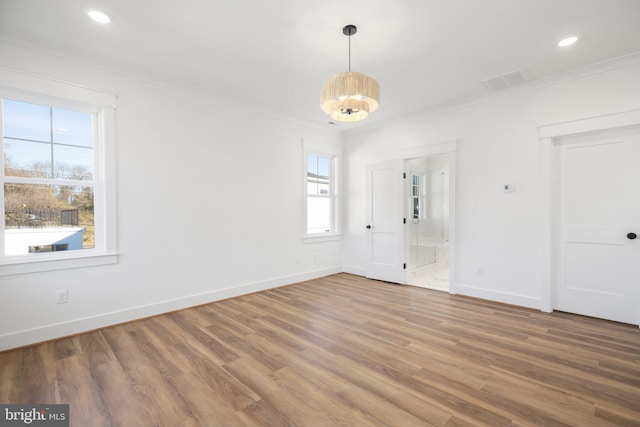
(73, 162)
(312, 175)
(324, 174)
(319, 188)
(318, 175)
(40, 217)
(312, 165)
(324, 168)
(318, 215)
(415, 185)
(312, 186)
(26, 121)
(34, 157)
(72, 127)
(25, 158)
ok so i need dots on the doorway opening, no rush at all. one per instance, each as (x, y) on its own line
(427, 206)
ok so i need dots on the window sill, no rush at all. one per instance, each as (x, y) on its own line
(24, 265)
(319, 238)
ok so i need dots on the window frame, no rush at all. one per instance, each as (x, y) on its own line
(333, 153)
(38, 90)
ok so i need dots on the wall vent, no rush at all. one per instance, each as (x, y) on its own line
(507, 80)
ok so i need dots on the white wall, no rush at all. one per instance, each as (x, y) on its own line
(192, 225)
(497, 143)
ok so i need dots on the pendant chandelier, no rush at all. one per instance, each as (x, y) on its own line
(350, 96)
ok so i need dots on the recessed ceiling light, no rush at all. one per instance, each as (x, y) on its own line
(100, 17)
(568, 41)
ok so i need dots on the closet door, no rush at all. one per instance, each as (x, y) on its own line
(598, 248)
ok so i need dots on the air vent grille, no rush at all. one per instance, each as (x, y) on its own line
(507, 80)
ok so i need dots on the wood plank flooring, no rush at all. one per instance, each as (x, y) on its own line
(339, 351)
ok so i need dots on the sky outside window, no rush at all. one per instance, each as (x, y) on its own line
(318, 172)
(37, 137)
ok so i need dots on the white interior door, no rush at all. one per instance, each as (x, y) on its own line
(385, 222)
(599, 258)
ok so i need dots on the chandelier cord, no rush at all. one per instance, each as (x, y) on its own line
(349, 50)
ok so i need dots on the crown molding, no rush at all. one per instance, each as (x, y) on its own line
(618, 63)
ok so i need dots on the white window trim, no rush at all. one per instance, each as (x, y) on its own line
(335, 153)
(30, 88)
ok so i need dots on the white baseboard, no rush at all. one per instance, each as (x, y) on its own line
(354, 270)
(505, 297)
(76, 326)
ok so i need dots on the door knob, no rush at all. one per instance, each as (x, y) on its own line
(631, 236)
(368, 227)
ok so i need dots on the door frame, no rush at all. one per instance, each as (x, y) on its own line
(449, 150)
(550, 137)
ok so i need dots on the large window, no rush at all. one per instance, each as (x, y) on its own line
(321, 194)
(54, 170)
(48, 178)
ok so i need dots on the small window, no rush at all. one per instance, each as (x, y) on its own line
(416, 194)
(320, 194)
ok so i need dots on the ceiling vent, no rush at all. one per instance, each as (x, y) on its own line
(508, 80)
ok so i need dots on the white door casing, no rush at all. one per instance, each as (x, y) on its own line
(551, 135)
(448, 150)
(598, 270)
(385, 222)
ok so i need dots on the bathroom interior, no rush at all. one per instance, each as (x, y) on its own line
(428, 223)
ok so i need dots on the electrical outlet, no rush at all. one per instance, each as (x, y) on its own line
(63, 296)
(480, 270)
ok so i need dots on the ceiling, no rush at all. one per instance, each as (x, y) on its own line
(275, 55)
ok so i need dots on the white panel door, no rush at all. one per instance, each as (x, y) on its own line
(599, 258)
(385, 227)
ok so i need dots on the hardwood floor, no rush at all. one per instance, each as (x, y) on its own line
(339, 351)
